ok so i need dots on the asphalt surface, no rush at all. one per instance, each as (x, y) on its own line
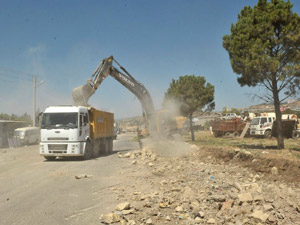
(35, 191)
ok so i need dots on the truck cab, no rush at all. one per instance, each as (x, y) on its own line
(261, 126)
(64, 131)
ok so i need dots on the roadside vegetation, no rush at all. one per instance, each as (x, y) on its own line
(259, 154)
(25, 117)
(205, 139)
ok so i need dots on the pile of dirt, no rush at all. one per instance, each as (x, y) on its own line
(202, 188)
(259, 161)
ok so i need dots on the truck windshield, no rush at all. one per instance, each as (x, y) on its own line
(255, 121)
(19, 133)
(59, 120)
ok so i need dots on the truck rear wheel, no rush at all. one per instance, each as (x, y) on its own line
(295, 134)
(96, 149)
(110, 146)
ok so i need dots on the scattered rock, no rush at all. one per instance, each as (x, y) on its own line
(245, 197)
(211, 221)
(149, 221)
(274, 170)
(110, 218)
(218, 198)
(260, 216)
(83, 176)
(131, 222)
(201, 214)
(268, 207)
(123, 206)
(127, 155)
(178, 209)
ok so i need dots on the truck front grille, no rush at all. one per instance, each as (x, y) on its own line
(54, 147)
(58, 139)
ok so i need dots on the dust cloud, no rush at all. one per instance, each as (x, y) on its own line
(166, 140)
(173, 147)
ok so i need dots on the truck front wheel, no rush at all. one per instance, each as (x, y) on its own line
(50, 158)
(267, 134)
(88, 151)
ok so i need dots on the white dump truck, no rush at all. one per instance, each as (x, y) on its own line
(76, 131)
(261, 126)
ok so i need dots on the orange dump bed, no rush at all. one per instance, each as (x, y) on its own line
(101, 123)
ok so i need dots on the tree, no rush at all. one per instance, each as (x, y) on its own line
(192, 93)
(264, 50)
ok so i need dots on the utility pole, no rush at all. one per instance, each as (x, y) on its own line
(34, 101)
(35, 85)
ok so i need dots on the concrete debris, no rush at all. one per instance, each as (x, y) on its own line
(274, 170)
(123, 206)
(131, 222)
(83, 176)
(192, 190)
(178, 209)
(110, 218)
(211, 221)
(127, 155)
(245, 197)
(260, 216)
(149, 221)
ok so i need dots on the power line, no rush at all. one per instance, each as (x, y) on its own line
(10, 82)
(15, 77)
(16, 71)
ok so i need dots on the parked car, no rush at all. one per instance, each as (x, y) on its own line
(229, 116)
(28, 135)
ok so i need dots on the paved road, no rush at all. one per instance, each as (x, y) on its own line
(35, 191)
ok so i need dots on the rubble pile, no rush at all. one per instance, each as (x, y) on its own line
(187, 190)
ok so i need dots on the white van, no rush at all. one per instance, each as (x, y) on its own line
(28, 135)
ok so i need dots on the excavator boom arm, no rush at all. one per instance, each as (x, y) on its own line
(82, 93)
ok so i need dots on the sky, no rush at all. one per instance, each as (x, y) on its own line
(62, 42)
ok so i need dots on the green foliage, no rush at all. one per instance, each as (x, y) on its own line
(192, 93)
(25, 117)
(264, 45)
(264, 49)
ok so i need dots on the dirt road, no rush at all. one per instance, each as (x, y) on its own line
(35, 191)
(144, 187)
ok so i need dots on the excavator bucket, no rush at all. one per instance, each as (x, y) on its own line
(81, 94)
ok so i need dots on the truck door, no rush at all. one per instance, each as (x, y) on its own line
(83, 125)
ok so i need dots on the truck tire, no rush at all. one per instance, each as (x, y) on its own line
(295, 134)
(96, 149)
(88, 153)
(110, 148)
(268, 134)
(107, 147)
(228, 134)
(236, 134)
(50, 158)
